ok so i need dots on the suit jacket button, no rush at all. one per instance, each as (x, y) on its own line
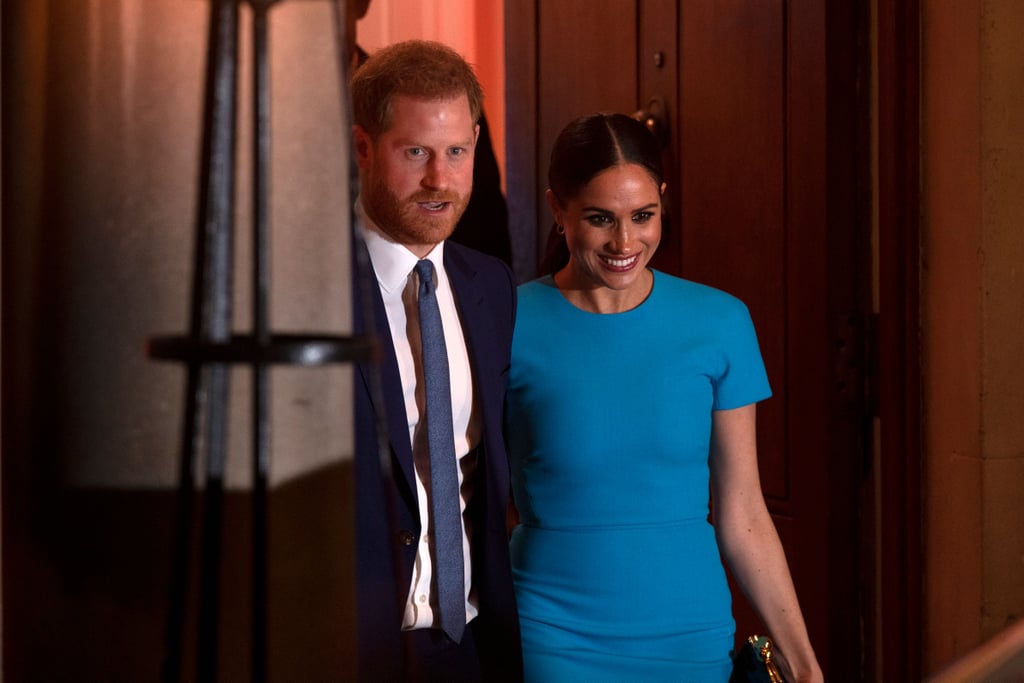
(406, 537)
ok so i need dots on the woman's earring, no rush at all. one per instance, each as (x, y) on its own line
(560, 229)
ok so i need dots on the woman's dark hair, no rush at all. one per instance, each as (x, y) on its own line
(586, 147)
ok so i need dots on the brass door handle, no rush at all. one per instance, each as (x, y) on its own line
(655, 117)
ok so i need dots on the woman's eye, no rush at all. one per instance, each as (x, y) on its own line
(643, 216)
(598, 220)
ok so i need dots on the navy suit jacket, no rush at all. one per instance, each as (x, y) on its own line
(387, 518)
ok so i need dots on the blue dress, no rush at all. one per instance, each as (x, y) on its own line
(617, 572)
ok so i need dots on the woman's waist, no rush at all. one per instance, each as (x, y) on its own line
(534, 546)
(619, 525)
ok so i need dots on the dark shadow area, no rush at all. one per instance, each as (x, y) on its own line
(86, 583)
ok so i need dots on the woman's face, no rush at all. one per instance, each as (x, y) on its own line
(612, 228)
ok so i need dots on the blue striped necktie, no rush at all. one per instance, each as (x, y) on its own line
(445, 502)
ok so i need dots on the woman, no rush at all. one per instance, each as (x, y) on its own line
(629, 391)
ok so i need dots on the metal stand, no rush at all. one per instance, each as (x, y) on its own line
(210, 347)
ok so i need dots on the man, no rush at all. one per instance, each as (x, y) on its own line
(484, 225)
(416, 106)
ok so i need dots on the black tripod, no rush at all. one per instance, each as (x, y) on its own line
(210, 347)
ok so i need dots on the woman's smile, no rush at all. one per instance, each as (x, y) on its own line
(620, 263)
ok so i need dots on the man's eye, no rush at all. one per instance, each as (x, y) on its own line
(457, 151)
(416, 152)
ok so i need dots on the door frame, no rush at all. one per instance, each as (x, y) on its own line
(521, 180)
(898, 537)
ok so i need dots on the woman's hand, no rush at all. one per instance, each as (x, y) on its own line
(811, 673)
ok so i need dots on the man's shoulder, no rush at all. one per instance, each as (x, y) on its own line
(460, 256)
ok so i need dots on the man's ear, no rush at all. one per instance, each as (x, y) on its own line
(363, 144)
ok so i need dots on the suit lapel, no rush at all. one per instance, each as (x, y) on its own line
(390, 403)
(477, 326)
(468, 298)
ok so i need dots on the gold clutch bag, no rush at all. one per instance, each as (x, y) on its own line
(754, 663)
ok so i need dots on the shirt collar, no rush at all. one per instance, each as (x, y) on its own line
(392, 262)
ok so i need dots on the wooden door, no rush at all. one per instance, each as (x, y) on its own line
(764, 186)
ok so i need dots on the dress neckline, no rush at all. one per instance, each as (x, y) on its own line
(549, 280)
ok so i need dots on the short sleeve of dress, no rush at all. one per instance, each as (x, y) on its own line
(743, 379)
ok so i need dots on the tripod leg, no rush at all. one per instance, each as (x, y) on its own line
(212, 304)
(213, 515)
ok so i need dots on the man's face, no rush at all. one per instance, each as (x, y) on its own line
(418, 174)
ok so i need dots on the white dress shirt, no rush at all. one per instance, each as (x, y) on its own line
(393, 265)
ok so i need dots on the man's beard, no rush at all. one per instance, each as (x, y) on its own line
(403, 221)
